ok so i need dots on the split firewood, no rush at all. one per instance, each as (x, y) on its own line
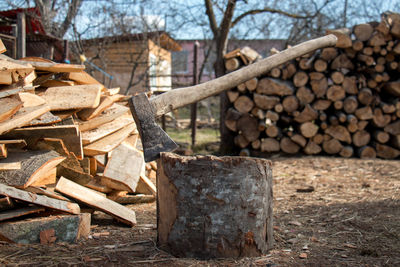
(108, 143)
(97, 201)
(123, 168)
(268, 86)
(35, 166)
(44, 201)
(73, 97)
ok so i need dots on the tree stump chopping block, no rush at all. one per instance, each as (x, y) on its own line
(214, 207)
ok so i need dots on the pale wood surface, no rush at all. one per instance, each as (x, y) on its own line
(105, 102)
(54, 67)
(39, 200)
(10, 214)
(97, 201)
(132, 199)
(22, 117)
(101, 131)
(9, 106)
(49, 192)
(2, 47)
(35, 166)
(124, 166)
(69, 134)
(81, 77)
(109, 142)
(111, 113)
(73, 97)
(31, 100)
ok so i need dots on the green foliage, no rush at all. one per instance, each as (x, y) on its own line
(206, 139)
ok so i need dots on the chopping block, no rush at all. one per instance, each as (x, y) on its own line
(214, 207)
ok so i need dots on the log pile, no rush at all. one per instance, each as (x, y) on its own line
(65, 139)
(341, 100)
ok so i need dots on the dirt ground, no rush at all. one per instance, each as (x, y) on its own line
(327, 212)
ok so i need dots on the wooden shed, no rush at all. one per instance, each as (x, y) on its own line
(136, 62)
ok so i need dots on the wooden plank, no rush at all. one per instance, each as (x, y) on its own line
(49, 178)
(56, 83)
(9, 106)
(109, 142)
(95, 184)
(47, 118)
(81, 77)
(2, 47)
(123, 169)
(69, 134)
(107, 115)
(97, 201)
(31, 100)
(11, 214)
(145, 186)
(105, 102)
(53, 67)
(13, 71)
(74, 174)
(91, 136)
(51, 203)
(35, 166)
(47, 230)
(22, 117)
(48, 192)
(14, 142)
(8, 166)
(112, 91)
(53, 144)
(73, 97)
(124, 198)
(13, 91)
(93, 166)
(3, 151)
(72, 169)
(6, 77)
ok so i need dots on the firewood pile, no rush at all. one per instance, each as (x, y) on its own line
(68, 146)
(341, 101)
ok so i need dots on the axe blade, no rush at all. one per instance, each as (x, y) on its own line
(154, 139)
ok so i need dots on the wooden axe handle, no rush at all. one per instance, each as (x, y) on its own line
(177, 98)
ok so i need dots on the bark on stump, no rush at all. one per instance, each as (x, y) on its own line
(210, 207)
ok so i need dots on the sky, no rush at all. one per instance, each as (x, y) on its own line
(172, 13)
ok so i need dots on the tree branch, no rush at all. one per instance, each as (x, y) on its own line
(211, 17)
(73, 9)
(226, 23)
(267, 10)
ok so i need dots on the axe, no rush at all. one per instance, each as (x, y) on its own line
(144, 111)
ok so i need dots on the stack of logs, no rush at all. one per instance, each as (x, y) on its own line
(341, 100)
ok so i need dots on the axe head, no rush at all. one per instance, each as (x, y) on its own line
(154, 139)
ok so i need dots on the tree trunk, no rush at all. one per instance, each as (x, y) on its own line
(201, 219)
